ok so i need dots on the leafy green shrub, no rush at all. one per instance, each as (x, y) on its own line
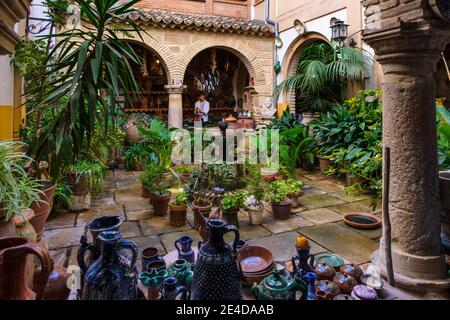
(153, 179)
(233, 200)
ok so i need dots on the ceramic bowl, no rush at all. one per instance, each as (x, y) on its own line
(255, 259)
(372, 281)
(331, 259)
(363, 221)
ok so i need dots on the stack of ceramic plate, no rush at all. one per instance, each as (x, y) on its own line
(256, 263)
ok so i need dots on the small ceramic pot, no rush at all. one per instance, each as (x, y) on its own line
(325, 271)
(171, 289)
(323, 295)
(149, 255)
(274, 287)
(184, 248)
(181, 269)
(328, 286)
(157, 265)
(352, 270)
(362, 292)
(345, 282)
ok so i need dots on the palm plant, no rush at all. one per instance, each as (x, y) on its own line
(323, 72)
(84, 73)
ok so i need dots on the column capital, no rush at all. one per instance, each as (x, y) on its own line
(412, 47)
(175, 89)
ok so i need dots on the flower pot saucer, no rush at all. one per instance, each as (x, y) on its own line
(364, 221)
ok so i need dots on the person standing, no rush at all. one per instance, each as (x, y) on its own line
(201, 108)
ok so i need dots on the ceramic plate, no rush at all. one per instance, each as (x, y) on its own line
(333, 260)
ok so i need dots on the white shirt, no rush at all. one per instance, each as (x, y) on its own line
(204, 107)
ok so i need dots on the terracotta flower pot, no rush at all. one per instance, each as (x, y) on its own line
(138, 166)
(120, 163)
(324, 164)
(203, 208)
(42, 209)
(269, 174)
(160, 203)
(282, 210)
(177, 215)
(144, 192)
(231, 216)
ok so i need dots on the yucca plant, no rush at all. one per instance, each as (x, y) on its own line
(17, 191)
(323, 72)
(85, 71)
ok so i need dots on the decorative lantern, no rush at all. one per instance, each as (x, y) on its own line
(277, 67)
(339, 31)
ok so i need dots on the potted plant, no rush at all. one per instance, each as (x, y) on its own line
(255, 190)
(153, 180)
(231, 203)
(277, 193)
(17, 191)
(178, 209)
(295, 190)
(184, 171)
(137, 156)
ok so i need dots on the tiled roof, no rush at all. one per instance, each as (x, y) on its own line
(170, 19)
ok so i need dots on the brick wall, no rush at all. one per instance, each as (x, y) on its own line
(231, 8)
(382, 13)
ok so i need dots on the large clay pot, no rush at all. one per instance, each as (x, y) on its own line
(112, 276)
(13, 262)
(216, 275)
(324, 164)
(160, 203)
(95, 227)
(282, 210)
(42, 209)
(79, 184)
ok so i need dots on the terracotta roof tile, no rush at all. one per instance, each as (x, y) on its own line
(164, 18)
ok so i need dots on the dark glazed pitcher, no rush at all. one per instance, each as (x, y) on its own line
(184, 248)
(216, 275)
(95, 227)
(13, 267)
(112, 276)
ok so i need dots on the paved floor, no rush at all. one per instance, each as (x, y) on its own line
(319, 219)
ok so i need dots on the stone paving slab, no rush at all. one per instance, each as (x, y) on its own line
(312, 191)
(315, 176)
(138, 204)
(139, 215)
(62, 238)
(159, 225)
(350, 207)
(87, 216)
(319, 201)
(149, 241)
(283, 245)
(130, 229)
(127, 195)
(342, 241)
(343, 195)
(248, 232)
(280, 226)
(327, 185)
(129, 185)
(321, 215)
(61, 220)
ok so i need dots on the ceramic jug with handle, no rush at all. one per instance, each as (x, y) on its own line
(13, 264)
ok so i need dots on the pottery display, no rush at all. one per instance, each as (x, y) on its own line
(14, 269)
(362, 292)
(305, 259)
(274, 287)
(331, 259)
(255, 259)
(42, 208)
(184, 248)
(171, 289)
(149, 255)
(324, 271)
(328, 287)
(310, 293)
(353, 270)
(182, 270)
(345, 282)
(95, 227)
(112, 276)
(216, 275)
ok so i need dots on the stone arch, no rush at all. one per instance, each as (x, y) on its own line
(291, 60)
(167, 58)
(240, 49)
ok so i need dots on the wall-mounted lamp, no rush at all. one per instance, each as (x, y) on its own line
(299, 26)
(339, 31)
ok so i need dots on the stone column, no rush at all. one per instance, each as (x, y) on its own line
(408, 54)
(175, 119)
